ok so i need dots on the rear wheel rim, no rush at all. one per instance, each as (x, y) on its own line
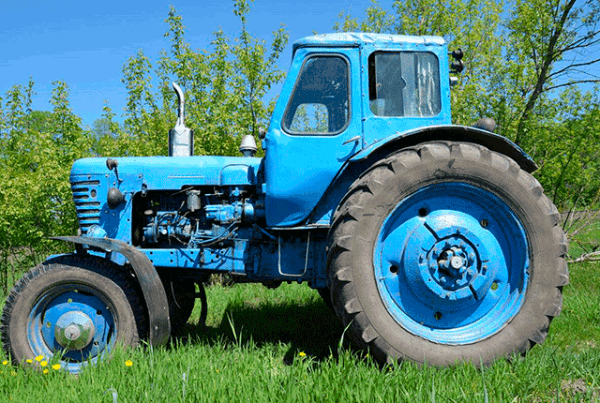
(451, 263)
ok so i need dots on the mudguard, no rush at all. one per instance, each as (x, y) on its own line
(493, 141)
(365, 158)
(150, 283)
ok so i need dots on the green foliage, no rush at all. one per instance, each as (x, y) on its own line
(568, 151)
(224, 86)
(36, 150)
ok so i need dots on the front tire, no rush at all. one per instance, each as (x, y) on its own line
(446, 252)
(78, 308)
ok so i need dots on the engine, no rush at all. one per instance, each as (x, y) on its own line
(195, 217)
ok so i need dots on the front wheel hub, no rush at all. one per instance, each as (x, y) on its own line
(74, 330)
(75, 319)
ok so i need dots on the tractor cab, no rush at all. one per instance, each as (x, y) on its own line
(346, 92)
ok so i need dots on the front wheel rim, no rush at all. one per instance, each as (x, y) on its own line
(74, 321)
(452, 263)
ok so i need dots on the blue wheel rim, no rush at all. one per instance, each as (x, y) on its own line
(451, 263)
(69, 308)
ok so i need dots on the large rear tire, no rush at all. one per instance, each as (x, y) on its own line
(444, 253)
(78, 308)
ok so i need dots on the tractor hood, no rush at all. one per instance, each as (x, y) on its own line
(169, 172)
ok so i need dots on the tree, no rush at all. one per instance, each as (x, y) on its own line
(551, 36)
(37, 151)
(224, 86)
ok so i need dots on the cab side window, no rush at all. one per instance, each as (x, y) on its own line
(319, 104)
(404, 84)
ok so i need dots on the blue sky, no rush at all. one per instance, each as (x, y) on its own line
(86, 43)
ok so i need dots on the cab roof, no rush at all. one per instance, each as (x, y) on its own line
(353, 39)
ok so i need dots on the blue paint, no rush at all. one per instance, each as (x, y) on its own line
(451, 263)
(357, 39)
(300, 167)
(166, 172)
(63, 303)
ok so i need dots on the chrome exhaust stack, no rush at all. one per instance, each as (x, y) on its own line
(181, 138)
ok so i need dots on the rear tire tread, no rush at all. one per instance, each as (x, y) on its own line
(343, 229)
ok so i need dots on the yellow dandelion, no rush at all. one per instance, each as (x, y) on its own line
(44, 363)
(128, 363)
(56, 367)
(39, 358)
(5, 362)
(45, 371)
(301, 354)
(28, 361)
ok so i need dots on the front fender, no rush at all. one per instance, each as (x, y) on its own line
(150, 283)
(493, 141)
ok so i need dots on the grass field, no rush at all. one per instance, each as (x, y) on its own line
(285, 345)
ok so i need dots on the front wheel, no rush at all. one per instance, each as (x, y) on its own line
(74, 307)
(446, 252)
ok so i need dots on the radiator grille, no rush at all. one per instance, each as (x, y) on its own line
(87, 205)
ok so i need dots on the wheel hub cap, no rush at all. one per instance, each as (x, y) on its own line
(74, 330)
(452, 271)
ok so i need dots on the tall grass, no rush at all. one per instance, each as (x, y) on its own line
(283, 345)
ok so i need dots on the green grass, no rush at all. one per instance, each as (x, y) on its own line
(283, 345)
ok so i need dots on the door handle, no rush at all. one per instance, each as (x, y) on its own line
(353, 139)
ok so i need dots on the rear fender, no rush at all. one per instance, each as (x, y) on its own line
(368, 156)
(493, 141)
(152, 288)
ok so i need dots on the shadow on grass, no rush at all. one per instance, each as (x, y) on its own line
(311, 328)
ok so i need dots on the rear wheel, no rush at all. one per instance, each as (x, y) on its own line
(74, 307)
(446, 252)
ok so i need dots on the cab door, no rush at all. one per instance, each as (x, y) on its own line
(315, 128)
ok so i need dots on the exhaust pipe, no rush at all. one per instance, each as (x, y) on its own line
(181, 138)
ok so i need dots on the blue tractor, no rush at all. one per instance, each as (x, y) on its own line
(431, 241)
